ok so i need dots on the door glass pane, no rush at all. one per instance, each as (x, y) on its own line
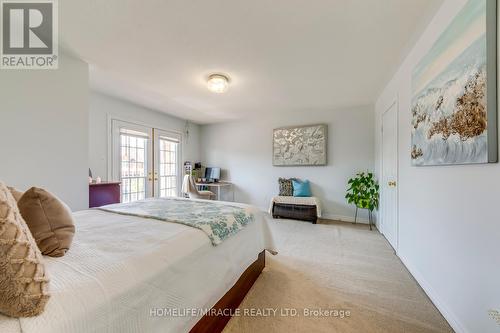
(168, 172)
(133, 147)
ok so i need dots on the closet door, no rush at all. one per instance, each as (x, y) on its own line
(389, 186)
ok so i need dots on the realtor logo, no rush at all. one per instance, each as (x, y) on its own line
(29, 34)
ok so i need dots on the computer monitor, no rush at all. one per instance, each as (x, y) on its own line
(212, 173)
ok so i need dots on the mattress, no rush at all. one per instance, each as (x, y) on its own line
(124, 273)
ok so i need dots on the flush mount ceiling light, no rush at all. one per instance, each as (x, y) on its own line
(218, 83)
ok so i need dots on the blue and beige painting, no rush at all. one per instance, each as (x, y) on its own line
(449, 115)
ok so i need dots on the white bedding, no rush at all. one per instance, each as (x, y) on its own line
(120, 267)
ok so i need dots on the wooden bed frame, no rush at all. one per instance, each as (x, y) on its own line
(232, 299)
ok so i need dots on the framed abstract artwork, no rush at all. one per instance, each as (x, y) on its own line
(300, 145)
(454, 92)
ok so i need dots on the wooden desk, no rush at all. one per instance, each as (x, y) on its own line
(104, 193)
(219, 186)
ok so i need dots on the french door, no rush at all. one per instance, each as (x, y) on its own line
(167, 167)
(146, 160)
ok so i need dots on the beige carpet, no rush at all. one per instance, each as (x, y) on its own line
(336, 266)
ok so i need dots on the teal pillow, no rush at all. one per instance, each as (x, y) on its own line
(301, 188)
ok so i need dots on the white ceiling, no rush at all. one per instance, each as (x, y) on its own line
(282, 55)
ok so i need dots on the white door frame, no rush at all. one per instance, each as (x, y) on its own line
(116, 126)
(157, 133)
(111, 150)
(394, 103)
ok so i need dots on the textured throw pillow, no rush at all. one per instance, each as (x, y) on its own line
(49, 219)
(301, 188)
(286, 188)
(23, 282)
(15, 193)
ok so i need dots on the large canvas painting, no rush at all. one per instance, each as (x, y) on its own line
(303, 145)
(454, 92)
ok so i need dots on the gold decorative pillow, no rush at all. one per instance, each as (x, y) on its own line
(286, 187)
(49, 220)
(15, 193)
(23, 281)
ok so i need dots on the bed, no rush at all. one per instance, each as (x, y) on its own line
(127, 273)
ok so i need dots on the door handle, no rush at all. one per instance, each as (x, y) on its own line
(392, 184)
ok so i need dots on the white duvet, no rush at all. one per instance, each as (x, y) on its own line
(121, 269)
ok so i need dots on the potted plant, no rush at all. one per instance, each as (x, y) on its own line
(363, 191)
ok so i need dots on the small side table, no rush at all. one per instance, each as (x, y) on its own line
(104, 193)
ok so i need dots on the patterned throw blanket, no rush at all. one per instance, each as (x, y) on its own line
(218, 221)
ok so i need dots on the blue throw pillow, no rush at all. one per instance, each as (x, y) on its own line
(301, 188)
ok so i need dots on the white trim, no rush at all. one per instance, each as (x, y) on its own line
(453, 320)
(117, 126)
(175, 137)
(109, 147)
(329, 216)
(110, 117)
(343, 218)
(154, 134)
(397, 171)
(145, 124)
(381, 210)
(340, 218)
(394, 103)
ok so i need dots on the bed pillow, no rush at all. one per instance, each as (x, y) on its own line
(301, 188)
(49, 219)
(15, 193)
(286, 187)
(23, 282)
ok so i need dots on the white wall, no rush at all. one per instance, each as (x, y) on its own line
(449, 225)
(103, 106)
(44, 128)
(244, 150)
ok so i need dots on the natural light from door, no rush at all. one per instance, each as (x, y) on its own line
(146, 160)
(133, 147)
(168, 167)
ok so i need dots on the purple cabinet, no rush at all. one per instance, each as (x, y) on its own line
(104, 193)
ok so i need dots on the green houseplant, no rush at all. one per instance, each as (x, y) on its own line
(363, 191)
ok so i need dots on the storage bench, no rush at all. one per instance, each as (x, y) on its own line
(296, 208)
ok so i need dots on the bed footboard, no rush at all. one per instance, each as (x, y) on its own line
(232, 299)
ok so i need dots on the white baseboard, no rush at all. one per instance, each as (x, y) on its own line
(335, 217)
(431, 293)
(343, 218)
(445, 311)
